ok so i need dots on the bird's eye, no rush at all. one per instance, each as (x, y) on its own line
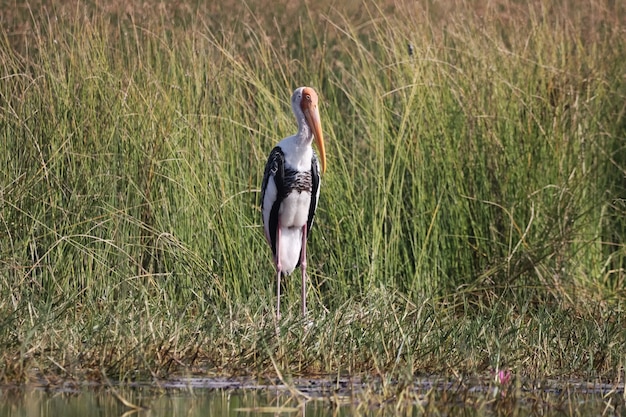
(308, 97)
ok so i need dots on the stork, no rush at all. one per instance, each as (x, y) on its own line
(291, 189)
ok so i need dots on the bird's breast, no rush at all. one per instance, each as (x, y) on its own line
(294, 209)
(297, 186)
(295, 180)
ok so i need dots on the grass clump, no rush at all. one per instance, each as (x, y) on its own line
(472, 217)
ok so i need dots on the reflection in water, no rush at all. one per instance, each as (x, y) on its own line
(104, 403)
(149, 401)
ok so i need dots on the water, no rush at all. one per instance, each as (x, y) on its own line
(312, 398)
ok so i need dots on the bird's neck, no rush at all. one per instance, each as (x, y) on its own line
(304, 137)
(298, 150)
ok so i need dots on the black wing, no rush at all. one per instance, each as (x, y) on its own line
(275, 167)
(315, 194)
(315, 190)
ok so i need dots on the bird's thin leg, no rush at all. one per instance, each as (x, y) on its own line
(278, 272)
(303, 268)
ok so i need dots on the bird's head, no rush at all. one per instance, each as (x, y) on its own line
(305, 98)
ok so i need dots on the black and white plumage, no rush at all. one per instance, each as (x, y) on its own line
(291, 188)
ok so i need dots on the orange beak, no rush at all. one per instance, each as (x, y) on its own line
(312, 115)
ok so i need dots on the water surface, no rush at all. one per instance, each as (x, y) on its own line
(192, 397)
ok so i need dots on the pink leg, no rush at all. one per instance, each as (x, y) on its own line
(303, 268)
(278, 272)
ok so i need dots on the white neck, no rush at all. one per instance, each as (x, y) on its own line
(297, 148)
(304, 135)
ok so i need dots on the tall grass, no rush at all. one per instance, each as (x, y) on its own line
(472, 208)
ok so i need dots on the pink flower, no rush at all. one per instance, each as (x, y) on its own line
(503, 377)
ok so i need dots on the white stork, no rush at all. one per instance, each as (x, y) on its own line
(291, 189)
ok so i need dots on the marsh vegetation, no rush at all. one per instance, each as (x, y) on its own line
(472, 216)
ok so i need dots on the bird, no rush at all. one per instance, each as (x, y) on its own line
(291, 188)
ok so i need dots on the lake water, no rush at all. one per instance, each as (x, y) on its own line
(313, 398)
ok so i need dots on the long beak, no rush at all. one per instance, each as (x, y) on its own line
(313, 119)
